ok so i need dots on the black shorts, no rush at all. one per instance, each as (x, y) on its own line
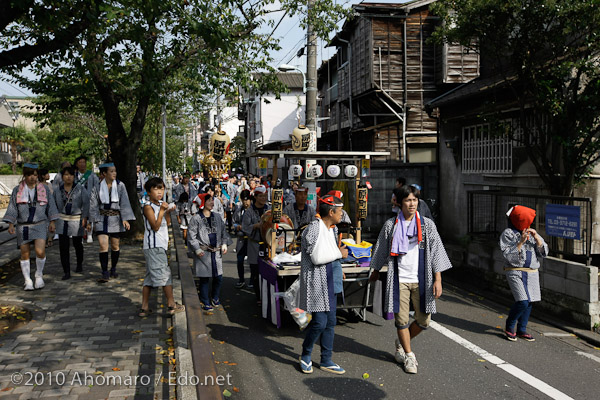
(116, 235)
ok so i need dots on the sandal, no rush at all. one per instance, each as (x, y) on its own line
(144, 313)
(176, 309)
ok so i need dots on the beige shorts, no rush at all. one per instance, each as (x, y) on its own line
(410, 292)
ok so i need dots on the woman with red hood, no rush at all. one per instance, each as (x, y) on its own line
(522, 248)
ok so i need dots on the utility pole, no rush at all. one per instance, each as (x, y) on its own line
(164, 142)
(311, 78)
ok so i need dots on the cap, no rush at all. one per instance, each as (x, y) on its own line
(301, 188)
(107, 165)
(260, 189)
(31, 165)
(416, 186)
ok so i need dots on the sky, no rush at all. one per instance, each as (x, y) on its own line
(289, 32)
(293, 38)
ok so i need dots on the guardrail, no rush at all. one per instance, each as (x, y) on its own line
(198, 343)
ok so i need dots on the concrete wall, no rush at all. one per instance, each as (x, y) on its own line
(569, 289)
(10, 180)
(591, 188)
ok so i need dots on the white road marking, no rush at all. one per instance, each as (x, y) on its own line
(558, 334)
(511, 369)
(588, 355)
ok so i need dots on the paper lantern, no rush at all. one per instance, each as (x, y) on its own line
(316, 171)
(219, 144)
(351, 171)
(300, 138)
(333, 171)
(296, 171)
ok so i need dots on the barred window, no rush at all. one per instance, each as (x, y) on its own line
(486, 152)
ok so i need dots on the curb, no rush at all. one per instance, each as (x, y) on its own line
(185, 367)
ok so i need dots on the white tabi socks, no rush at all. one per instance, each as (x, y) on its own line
(25, 269)
(39, 272)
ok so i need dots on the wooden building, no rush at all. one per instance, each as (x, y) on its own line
(373, 90)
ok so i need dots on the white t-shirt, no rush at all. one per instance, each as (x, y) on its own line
(30, 193)
(408, 264)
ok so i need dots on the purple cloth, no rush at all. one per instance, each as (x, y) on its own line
(400, 239)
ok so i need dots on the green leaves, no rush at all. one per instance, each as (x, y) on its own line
(546, 50)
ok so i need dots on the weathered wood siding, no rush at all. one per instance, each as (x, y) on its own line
(456, 64)
(359, 63)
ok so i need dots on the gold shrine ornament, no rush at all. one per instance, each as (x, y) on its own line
(300, 138)
(219, 145)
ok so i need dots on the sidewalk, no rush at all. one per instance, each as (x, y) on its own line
(86, 340)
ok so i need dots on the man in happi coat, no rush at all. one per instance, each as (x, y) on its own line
(412, 250)
(299, 211)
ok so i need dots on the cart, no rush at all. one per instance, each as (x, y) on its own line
(276, 278)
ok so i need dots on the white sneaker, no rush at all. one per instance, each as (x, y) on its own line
(400, 354)
(39, 282)
(28, 284)
(410, 363)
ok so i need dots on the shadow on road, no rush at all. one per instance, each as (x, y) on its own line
(332, 388)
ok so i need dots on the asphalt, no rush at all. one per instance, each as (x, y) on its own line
(82, 330)
(263, 360)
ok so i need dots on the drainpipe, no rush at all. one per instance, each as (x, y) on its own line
(405, 92)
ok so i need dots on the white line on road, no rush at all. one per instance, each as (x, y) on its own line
(557, 334)
(593, 357)
(511, 369)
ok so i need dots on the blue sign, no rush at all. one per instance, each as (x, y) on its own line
(563, 221)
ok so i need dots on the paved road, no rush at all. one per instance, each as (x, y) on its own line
(82, 327)
(87, 335)
(463, 355)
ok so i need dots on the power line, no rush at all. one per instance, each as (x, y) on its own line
(16, 88)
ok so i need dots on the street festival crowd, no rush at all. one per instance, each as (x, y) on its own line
(79, 205)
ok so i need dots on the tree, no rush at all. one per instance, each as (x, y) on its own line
(34, 28)
(545, 52)
(64, 138)
(238, 151)
(139, 53)
(15, 137)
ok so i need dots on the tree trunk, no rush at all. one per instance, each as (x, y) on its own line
(13, 154)
(124, 158)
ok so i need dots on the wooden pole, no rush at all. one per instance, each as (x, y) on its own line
(358, 221)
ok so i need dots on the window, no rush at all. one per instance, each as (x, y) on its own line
(485, 152)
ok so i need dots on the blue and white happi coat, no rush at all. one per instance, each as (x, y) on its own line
(31, 219)
(250, 218)
(104, 224)
(72, 207)
(435, 260)
(316, 281)
(199, 231)
(524, 285)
